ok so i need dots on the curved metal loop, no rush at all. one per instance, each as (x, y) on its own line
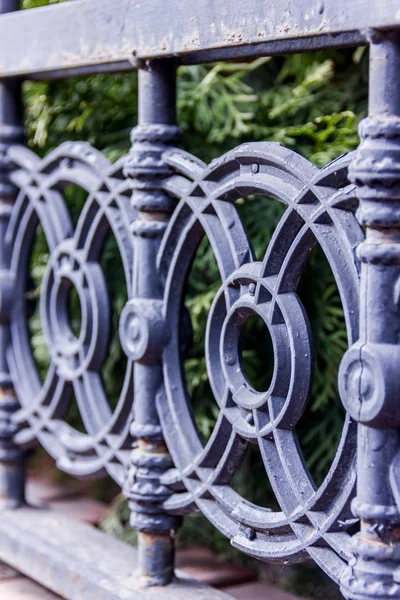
(74, 263)
(319, 210)
(320, 206)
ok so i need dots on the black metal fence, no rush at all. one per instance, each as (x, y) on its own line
(159, 202)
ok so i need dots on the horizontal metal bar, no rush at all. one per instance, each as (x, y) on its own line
(321, 42)
(77, 35)
(341, 40)
(76, 560)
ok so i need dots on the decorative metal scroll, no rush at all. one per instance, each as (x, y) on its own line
(320, 204)
(74, 262)
(320, 210)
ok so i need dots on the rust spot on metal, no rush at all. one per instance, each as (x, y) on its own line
(156, 552)
(383, 535)
(7, 392)
(152, 447)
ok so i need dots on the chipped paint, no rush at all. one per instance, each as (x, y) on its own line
(85, 33)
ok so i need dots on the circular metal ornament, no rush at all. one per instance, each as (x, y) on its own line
(76, 359)
(320, 206)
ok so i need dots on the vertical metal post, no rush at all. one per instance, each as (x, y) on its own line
(144, 332)
(12, 476)
(370, 371)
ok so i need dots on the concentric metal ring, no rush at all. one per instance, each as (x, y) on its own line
(320, 208)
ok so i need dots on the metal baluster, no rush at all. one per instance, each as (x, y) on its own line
(143, 331)
(12, 476)
(370, 381)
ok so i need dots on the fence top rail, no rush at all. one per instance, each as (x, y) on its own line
(98, 35)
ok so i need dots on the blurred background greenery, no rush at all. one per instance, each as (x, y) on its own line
(311, 103)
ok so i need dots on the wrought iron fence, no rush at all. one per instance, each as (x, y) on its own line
(159, 202)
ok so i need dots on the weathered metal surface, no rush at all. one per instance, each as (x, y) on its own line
(143, 331)
(312, 521)
(159, 202)
(76, 360)
(12, 475)
(118, 32)
(135, 198)
(369, 376)
(76, 560)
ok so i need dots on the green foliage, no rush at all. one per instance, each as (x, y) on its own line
(39, 3)
(217, 99)
(100, 110)
(311, 103)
